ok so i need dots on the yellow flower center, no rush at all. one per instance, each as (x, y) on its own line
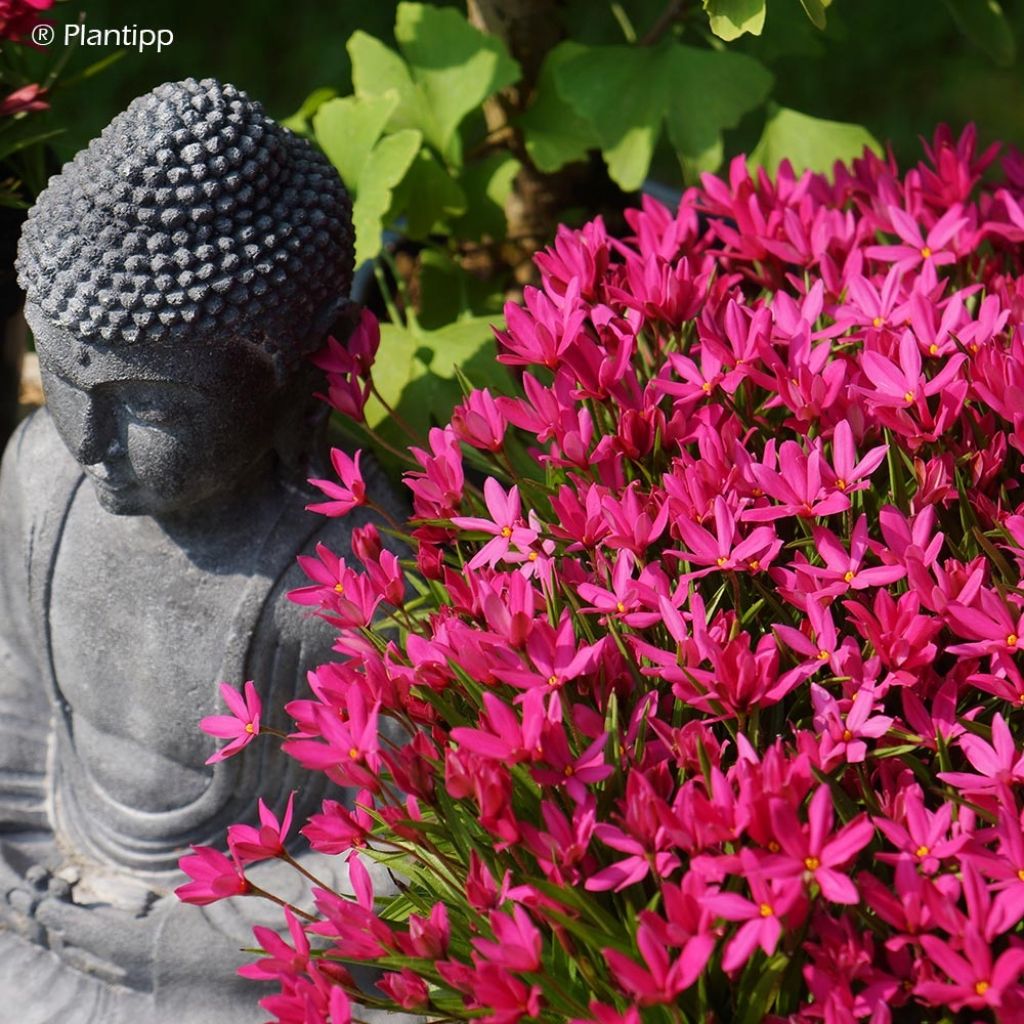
(250, 728)
(877, 322)
(823, 655)
(568, 771)
(1020, 874)
(933, 349)
(339, 588)
(1011, 640)
(552, 680)
(774, 846)
(848, 576)
(721, 560)
(706, 387)
(506, 531)
(620, 607)
(353, 753)
(926, 252)
(812, 863)
(841, 484)
(908, 397)
(532, 556)
(766, 910)
(922, 851)
(754, 565)
(981, 987)
(847, 735)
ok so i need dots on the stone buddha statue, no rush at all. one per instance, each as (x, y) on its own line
(178, 272)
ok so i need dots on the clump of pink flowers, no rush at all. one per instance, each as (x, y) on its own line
(706, 645)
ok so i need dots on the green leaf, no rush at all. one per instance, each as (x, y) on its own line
(809, 143)
(383, 170)
(455, 65)
(417, 378)
(428, 196)
(815, 10)
(487, 184)
(348, 129)
(731, 19)
(553, 132)
(377, 70)
(627, 92)
(755, 1002)
(299, 121)
(985, 24)
(710, 92)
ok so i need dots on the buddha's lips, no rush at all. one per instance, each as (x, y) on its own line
(110, 482)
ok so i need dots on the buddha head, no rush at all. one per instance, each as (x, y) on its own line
(177, 273)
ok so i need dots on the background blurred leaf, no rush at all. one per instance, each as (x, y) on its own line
(347, 130)
(554, 134)
(455, 65)
(809, 143)
(626, 92)
(487, 184)
(816, 11)
(376, 70)
(731, 19)
(418, 377)
(299, 122)
(383, 170)
(428, 196)
(984, 23)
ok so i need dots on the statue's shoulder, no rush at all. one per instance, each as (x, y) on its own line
(37, 466)
(299, 623)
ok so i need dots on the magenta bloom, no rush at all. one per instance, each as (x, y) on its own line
(249, 843)
(518, 941)
(904, 386)
(977, 980)
(916, 248)
(771, 901)
(242, 726)
(349, 495)
(282, 960)
(999, 764)
(810, 853)
(505, 524)
(215, 877)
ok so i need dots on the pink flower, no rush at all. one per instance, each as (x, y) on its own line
(977, 980)
(242, 726)
(352, 492)
(282, 960)
(663, 978)
(905, 386)
(505, 525)
(337, 829)
(810, 853)
(772, 900)
(999, 764)
(479, 421)
(215, 877)
(916, 248)
(249, 843)
(517, 944)
(26, 99)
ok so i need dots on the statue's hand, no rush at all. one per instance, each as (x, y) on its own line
(20, 895)
(98, 940)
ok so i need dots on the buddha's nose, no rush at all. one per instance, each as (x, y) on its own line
(94, 433)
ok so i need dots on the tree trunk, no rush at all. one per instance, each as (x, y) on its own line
(529, 29)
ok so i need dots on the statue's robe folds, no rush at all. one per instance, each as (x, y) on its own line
(136, 954)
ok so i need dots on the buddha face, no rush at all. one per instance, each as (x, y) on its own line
(161, 428)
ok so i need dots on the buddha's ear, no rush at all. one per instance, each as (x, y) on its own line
(333, 316)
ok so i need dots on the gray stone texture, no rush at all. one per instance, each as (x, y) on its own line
(177, 273)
